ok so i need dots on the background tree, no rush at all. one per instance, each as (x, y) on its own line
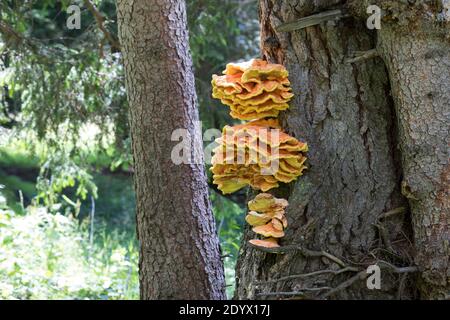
(377, 187)
(65, 145)
(179, 248)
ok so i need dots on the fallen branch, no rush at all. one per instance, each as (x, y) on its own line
(114, 43)
(311, 20)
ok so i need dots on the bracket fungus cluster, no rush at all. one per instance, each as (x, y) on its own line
(254, 89)
(266, 216)
(256, 154)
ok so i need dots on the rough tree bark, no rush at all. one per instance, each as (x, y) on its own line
(378, 131)
(179, 247)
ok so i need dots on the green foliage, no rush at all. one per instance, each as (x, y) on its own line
(16, 165)
(219, 32)
(24, 156)
(17, 156)
(12, 184)
(59, 76)
(63, 102)
(114, 251)
(230, 219)
(59, 173)
(55, 81)
(115, 205)
(48, 256)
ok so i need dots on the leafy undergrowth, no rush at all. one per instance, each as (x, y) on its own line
(46, 254)
(49, 256)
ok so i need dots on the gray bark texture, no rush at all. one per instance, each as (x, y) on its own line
(179, 247)
(377, 187)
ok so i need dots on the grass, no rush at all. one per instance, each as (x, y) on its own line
(49, 256)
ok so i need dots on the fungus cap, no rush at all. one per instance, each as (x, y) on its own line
(256, 219)
(277, 224)
(265, 243)
(245, 150)
(254, 89)
(256, 154)
(269, 230)
(265, 202)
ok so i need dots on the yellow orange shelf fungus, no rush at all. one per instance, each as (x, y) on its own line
(254, 89)
(267, 203)
(267, 217)
(257, 155)
(266, 243)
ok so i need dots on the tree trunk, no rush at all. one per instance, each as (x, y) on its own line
(418, 60)
(179, 247)
(378, 136)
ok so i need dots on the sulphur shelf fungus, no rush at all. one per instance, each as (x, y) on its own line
(267, 217)
(258, 154)
(254, 89)
(266, 243)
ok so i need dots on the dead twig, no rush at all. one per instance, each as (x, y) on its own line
(15, 39)
(311, 20)
(311, 274)
(332, 258)
(385, 237)
(386, 265)
(361, 275)
(401, 286)
(300, 292)
(10, 34)
(392, 212)
(382, 230)
(304, 251)
(362, 55)
(358, 277)
(114, 43)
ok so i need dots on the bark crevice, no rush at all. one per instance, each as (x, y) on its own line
(343, 112)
